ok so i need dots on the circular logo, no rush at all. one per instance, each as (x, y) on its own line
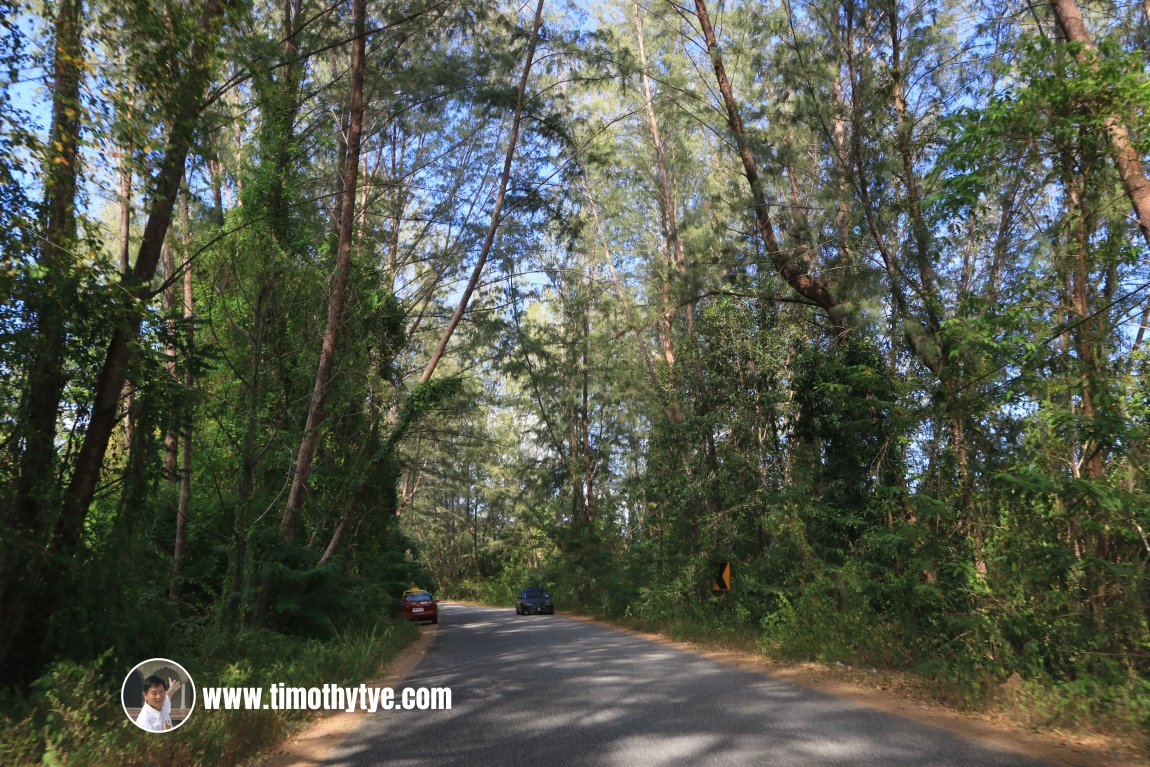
(158, 695)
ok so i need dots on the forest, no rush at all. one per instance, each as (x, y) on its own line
(307, 302)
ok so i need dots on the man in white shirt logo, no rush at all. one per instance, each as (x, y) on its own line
(156, 714)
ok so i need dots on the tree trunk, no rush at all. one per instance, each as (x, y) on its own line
(668, 211)
(1137, 188)
(1091, 453)
(185, 499)
(24, 527)
(172, 434)
(352, 507)
(1125, 155)
(349, 512)
(280, 121)
(125, 222)
(622, 294)
(249, 458)
(182, 126)
(839, 137)
(811, 288)
(585, 410)
(497, 210)
(315, 414)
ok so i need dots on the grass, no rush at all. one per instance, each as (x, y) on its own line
(72, 720)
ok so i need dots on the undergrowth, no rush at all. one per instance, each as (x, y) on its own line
(75, 718)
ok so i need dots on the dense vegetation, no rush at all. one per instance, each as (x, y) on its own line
(304, 302)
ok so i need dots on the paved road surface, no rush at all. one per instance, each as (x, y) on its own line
(546, 691)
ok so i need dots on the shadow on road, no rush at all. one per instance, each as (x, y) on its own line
(545, 690)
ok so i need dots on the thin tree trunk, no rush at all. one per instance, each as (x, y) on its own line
(919, 228)
(249, 458)
(352, 507)
(216, 180)
(497, 210)
(623, 295)
(235, 102)
(281, 121)
(811, 288)
(928, 288)
(340, 531)
(858, 174)
(838, 104)
(315, 414)
(473, 521)
(125, 228)
(184, 503)
(172, 436)
(666, 339)
(396, 205)
(585, 409)
(336, 537)
(668, 212)
(1091, 461)
(124, 196)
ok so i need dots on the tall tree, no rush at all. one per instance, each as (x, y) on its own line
(814, 289)
(32, 511)
(315, 413)
(187, 420)
(497, 206)
(182, 117)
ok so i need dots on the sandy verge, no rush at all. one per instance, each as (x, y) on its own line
(318, 739)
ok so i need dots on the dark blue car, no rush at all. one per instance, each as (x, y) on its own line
(534, 600)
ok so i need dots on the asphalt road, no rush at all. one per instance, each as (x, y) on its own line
(548, 691)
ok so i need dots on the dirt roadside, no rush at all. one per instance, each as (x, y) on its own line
(313, 744)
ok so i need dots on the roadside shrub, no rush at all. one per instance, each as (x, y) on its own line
(75, 717)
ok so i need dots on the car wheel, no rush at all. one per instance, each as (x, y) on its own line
(435, 619)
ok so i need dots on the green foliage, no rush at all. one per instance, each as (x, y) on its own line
(307, 600)
(830, 621)
(69, 720)
(844, 402)
(422, 399)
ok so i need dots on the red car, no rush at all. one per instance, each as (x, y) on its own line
(418, 605)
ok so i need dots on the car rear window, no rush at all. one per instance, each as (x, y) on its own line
(421, 596)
